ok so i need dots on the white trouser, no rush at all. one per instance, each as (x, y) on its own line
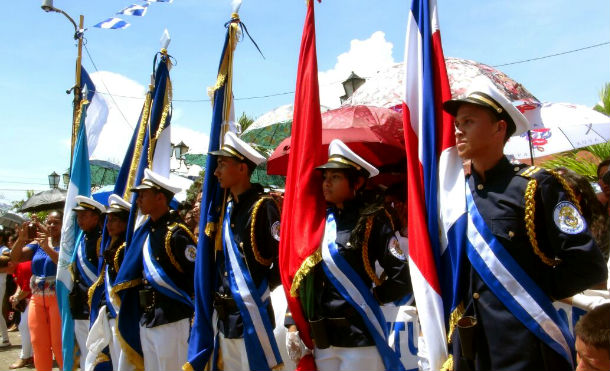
(3, 329)
(81, 331)
(24, 331)
(114, 346)
(348, 359)
(165, 347)
(233, 354)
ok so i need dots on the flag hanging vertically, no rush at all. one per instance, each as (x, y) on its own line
(303, 211)
(90, 118)
(201, 342)
(428, 131)
(152, 149)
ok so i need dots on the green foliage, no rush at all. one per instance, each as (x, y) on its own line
(604, 96)
(16, 205)
(245, 121)
(194, 189)
(582, 165)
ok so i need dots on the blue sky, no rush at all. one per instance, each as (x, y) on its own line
(39, 58)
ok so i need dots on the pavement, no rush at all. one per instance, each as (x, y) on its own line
(11, 354)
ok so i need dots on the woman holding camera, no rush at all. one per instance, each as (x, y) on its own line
(43, 316)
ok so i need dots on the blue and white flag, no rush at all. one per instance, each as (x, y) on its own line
(152, 150)
(113, 23)
(135, 10)
(80, 184)
(201, 341)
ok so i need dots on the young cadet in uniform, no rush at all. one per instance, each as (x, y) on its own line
(247, 265)
(527, 245)
(117, 215)
(156, 273)
(84, 268)
(342, 294)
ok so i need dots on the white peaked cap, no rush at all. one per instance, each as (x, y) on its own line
(153, 180)
(341, 157)
(87, 203)
(482, 92)
(237, 148)
(117, 204)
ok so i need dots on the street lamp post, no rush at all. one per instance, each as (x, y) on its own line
(47, 6)
(53, 180)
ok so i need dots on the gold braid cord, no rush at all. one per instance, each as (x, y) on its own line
(168, 245)
(257, 254)
(365, 252)
(117, 264)
(304, 269)
(530, 209)
(568, 190)
(96, 284)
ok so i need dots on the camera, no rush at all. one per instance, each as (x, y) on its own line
(32, 230)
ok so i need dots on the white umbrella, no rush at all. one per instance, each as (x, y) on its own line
(559, 127)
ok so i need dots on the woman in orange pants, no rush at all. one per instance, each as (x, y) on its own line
(44, 319)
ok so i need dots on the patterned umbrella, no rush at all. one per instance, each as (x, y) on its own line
(374, 133)
(385, 89)
(271, 128)
(559, 127)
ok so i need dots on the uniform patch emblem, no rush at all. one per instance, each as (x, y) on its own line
(568, 219)
(275, 230)
(394, 247)
(190, 253)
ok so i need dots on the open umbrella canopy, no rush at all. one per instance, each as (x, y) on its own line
(386, 88)
(374, 133)
(271, 128)
(46, 200)
(559, 127)
(11, 219)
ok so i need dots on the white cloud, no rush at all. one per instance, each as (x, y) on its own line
(196, 141)
(365, 58)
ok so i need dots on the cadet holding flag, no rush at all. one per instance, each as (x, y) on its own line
(341, 291)
(524, 244)
(84, 267)
(103, 329)
(247, 265)
(158, 268)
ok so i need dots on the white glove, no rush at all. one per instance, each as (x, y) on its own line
(294, 346)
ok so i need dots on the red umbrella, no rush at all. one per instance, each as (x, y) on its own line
(374, 133)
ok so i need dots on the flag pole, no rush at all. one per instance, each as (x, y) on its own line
(78, 34)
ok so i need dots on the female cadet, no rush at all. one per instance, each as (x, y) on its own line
(342, 294)
(117, 215)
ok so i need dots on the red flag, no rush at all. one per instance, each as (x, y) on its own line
(304, 206)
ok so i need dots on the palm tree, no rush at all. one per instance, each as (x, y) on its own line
(245, 121)
(604, 96)
(583, 161)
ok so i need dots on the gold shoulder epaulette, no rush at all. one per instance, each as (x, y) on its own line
(365, 243)
(171, 228)
(530, 211)
(257, 254)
